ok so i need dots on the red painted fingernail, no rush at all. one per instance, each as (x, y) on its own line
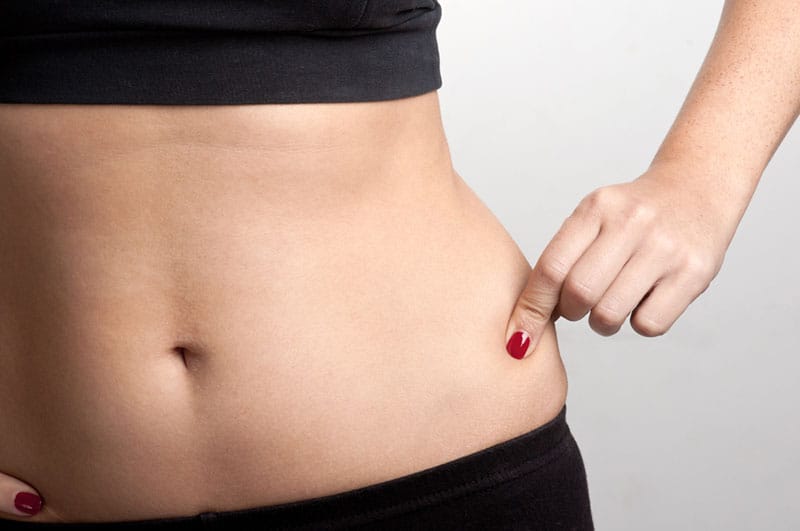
(518, 344)
(28, 503)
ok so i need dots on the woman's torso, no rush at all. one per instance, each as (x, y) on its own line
(206, 308)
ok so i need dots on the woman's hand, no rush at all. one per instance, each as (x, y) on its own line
(18, 498)
(647, 248)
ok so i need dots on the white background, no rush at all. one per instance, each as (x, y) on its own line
(542, 103)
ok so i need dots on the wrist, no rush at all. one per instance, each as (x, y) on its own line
(724, 192)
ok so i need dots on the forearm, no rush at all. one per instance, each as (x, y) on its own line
(741, 105)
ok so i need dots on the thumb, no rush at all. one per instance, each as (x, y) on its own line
(535, 308)
(18, 498)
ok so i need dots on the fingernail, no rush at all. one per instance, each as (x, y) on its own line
(518, 344)
(28, 503)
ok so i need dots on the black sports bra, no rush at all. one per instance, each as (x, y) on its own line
(216, 51)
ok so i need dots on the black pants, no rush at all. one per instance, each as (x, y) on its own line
(533, 481)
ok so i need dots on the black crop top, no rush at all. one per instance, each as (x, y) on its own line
(217, 51)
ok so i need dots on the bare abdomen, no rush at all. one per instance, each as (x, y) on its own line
(180, 337)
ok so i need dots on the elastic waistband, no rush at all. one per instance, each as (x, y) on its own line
(196, 67)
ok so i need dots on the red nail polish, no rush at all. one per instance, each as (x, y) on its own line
(518, 344)
(28, 503)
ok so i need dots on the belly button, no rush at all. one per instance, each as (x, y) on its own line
(190, 354)
(181, 351)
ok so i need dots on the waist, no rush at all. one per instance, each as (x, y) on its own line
(231, 331)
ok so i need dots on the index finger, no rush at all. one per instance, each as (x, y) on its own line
(543, 290)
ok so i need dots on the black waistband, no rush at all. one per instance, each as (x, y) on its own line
(149, 66)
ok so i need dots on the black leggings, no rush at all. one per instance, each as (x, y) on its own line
(533, 481)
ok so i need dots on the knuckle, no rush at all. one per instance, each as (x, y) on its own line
(698, 265)
(553, 270)
(596, 200)
(634, 216)
(663, 242)
(702, 264)
(603, 324)
(606, 316)
(580, 291)
(532, 313)
(647, 326)
(640, 213)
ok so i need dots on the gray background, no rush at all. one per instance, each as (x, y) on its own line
(542, 103)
